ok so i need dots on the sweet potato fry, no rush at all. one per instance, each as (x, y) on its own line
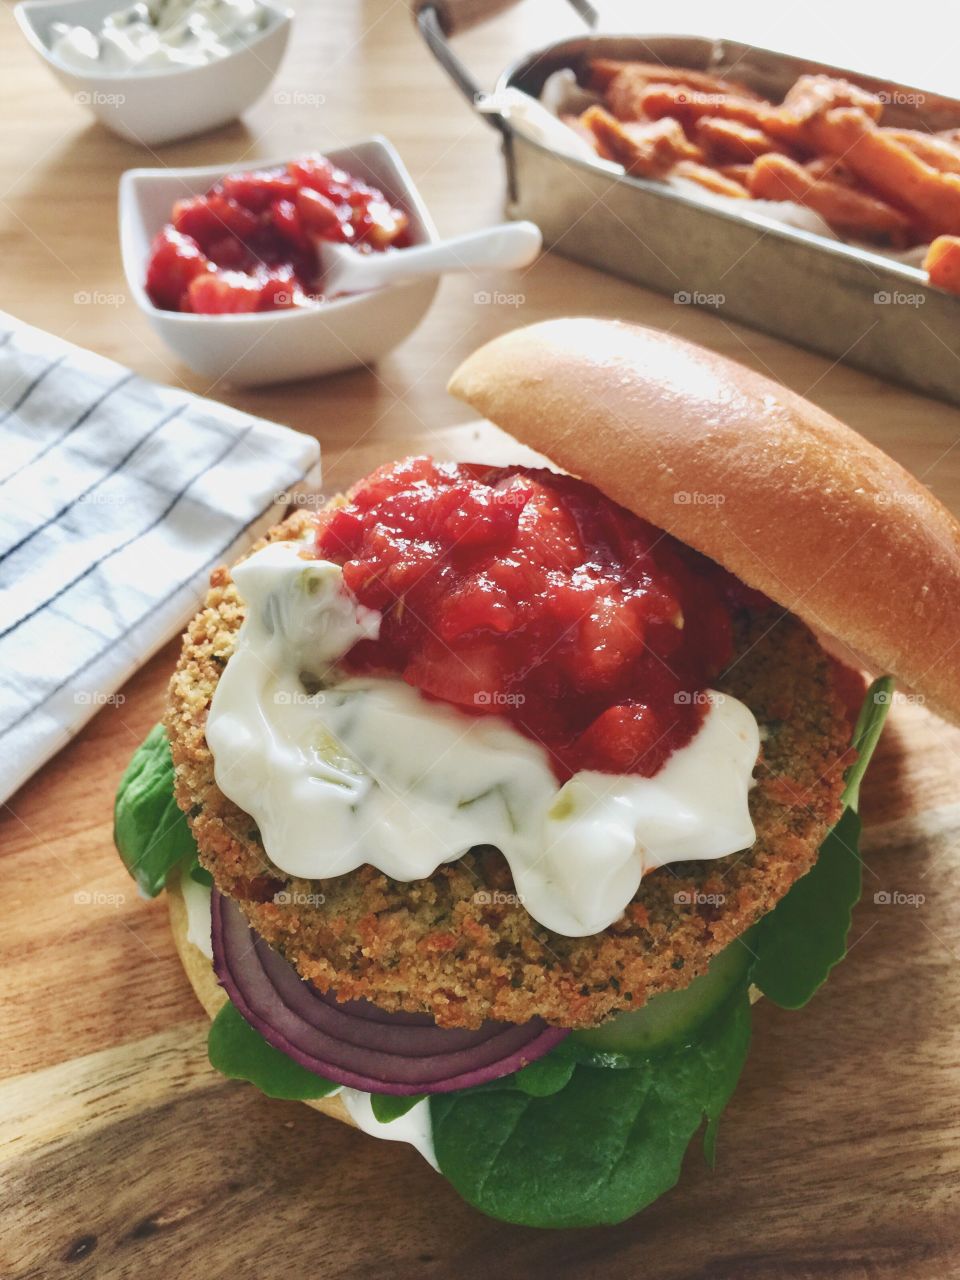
(707, 177)
(831, 167)
(576, 124)
(688, 105)
(732, 141)
(645, 149)
(814, 95)
(838, 131)
(735, 172)
(934, 150)
(598, 72)
(890, 169)
(601, 72)
(848, 212)
(942, 263)
(786, 128)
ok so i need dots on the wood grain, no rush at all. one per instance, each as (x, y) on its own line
(123, 1154)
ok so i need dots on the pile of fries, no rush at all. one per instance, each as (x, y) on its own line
(822, 147)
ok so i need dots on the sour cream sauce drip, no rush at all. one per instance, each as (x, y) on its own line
(338, 772)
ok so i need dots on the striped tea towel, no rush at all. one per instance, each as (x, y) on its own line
(117, 497)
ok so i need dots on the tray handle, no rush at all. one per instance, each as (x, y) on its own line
(437, 20)
(454, 16)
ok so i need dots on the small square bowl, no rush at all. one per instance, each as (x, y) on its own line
(159, 105)
(278, 346)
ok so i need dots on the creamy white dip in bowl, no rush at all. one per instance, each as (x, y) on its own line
(154, 105)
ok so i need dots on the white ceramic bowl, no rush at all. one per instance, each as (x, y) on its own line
(276, 346)
(157, 106)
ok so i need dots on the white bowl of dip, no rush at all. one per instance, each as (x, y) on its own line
(157, 104)
(278, 346)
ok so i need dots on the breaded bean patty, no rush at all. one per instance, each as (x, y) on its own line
(456, 945)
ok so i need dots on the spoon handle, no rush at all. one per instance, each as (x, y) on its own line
(512, 244)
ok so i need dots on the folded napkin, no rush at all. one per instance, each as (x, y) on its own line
(117, 497)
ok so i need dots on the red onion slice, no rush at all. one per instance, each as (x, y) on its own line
(355, 1043)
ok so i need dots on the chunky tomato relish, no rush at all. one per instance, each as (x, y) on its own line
(248, 244)
(527, 594)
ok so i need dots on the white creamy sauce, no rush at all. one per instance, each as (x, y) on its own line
(196, 898)
(338, 772)
(414, 1127)
(159, 35)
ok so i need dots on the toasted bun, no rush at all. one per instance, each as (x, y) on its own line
(789, 499)
(208, 990)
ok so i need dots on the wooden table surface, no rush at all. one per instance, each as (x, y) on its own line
(124, 1155)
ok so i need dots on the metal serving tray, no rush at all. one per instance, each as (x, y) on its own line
(846, 303)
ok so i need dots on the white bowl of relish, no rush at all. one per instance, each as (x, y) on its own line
(167, 94)
(255, 320)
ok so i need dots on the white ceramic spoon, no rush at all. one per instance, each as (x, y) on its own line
(512, 244)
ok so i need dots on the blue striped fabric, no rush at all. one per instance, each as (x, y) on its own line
(117, 498)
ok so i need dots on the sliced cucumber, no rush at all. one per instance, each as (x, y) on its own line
(668, 1020)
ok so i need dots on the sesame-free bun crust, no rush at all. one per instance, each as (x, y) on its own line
(208, 990)
(792, 501)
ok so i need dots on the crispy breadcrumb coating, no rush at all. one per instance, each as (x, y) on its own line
(454, 944)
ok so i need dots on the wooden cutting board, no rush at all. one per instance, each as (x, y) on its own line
(122, 1154)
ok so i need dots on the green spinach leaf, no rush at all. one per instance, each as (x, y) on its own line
(600, 1149)
(805, 935)
(239, 1051)
(866, 735)
(389, 1106)
(150, 831)
(200, 874)
(545, 1076)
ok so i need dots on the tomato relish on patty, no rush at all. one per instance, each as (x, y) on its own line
(528, 594)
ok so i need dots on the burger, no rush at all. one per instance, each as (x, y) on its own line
(488, 799)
